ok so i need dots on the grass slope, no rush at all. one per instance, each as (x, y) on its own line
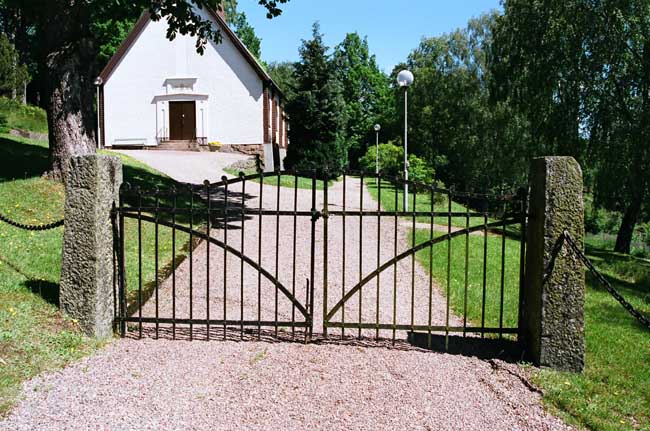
(15, 115)
(34, 335)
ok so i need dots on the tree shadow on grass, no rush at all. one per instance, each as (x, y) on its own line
(47, 290)
(22, 160)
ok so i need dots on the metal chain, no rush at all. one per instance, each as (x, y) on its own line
(31, 227)
(634, 312)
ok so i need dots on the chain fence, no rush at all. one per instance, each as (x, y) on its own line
(603, 281)
(22, 226)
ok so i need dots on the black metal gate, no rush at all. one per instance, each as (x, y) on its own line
(248, 258)
(397, 293)
(208, 262)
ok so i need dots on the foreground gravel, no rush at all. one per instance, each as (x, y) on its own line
(174, 385)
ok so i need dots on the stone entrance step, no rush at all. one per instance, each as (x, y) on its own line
(178, 146)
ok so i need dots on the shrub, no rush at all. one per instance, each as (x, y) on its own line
(391, 163)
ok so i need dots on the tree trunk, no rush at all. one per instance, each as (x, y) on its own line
(69, 98)
(625, 233)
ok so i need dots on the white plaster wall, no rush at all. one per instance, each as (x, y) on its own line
(228, 91)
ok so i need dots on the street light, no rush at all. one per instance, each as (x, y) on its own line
(377, 129)
(98, 83)
(405, 80)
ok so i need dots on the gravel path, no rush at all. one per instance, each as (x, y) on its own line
(172, 385)
(187, 166)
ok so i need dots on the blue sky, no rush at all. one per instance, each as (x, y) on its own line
(394, 27)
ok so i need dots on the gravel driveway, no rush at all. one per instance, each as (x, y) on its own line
(177, 385)
(187, 166)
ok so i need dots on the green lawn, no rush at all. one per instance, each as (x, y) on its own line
(474, 246)
(422, 200)
(34, 335)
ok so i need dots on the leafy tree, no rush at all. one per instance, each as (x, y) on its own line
(580, 72)
(67, 52)
(283, 73)
(471, 142)
(242, 28)
(366, 91)
(110, 35)
(316, 112)
(13, 75)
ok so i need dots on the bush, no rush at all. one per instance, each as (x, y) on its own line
(599, 220)
(391, 163)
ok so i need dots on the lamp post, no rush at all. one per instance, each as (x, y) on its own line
(98, 83)
(377, 129)
(405, 80)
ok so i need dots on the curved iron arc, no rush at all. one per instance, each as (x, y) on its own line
(229, 249)
(410, 252)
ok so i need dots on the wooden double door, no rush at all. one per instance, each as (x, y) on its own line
(182, 121)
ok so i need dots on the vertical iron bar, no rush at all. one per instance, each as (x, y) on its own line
(325, 247)
(361, 253)
(277, 248)
(140, 263)
(396, 188)
(259, 259)
(241, 268)
(449, 208)
(206, 183)
(175, 203)
(225, 257)
(415, 195)
(378, 252)
(466, 267)
(522, 249)
(312, 257)
(293, 271)
(116, 317)
(503, 279)
(191, 261)
(122, 273)
(156, 253)
(344, 265)
(485, 253)
(431, 227)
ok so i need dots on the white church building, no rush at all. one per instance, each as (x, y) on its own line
(157, 93)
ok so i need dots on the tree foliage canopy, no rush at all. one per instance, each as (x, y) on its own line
(317, 112)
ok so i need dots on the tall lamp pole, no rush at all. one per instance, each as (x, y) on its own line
(405, 80)
(377, 129)
(98, 83)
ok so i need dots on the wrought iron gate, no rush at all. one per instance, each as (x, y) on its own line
(397, 292)
(225, 273)
(249, 258)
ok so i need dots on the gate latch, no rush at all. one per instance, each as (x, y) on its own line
(315, 215)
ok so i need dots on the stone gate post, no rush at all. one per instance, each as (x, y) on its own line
(92, 187)
(553, 295)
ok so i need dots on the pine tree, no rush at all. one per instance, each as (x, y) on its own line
(317, 112)
(366, 92)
